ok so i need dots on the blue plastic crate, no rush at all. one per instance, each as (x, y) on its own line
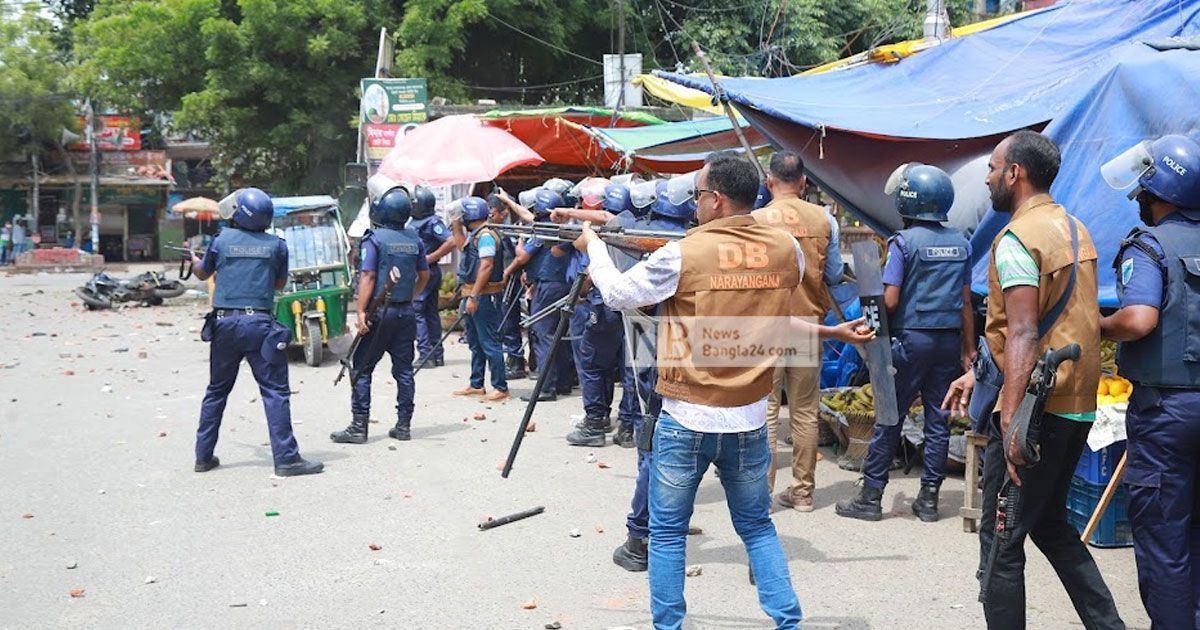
(1098, 466)
(1113, 529)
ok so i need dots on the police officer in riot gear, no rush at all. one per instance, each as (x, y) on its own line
(927, 294)
(480, 272)
(1158, 325)
(387, 246)
(546, 268)
(435, 237)
(252, 266)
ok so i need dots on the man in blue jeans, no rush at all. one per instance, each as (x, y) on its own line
(480, 274)
(713, 412)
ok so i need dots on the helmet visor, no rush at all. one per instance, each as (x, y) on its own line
(1122, 171)
(379, 185)
(643, 194)
(897, 179)
(228, 205)
(681, 188)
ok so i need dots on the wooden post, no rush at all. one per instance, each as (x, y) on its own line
(720, 94)
(1105, 499)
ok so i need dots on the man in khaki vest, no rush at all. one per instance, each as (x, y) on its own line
(815, 230)
(1031, 269)
(714, 411)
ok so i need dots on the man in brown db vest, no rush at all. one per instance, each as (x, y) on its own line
(730, 276)
(815, 230)
(1041, 295)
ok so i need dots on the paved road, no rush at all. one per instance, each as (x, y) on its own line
(97, 420)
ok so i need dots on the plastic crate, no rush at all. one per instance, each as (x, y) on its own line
(1098, 466)
(1113, 529)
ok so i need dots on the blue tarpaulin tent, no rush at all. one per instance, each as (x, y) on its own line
(1078, 67)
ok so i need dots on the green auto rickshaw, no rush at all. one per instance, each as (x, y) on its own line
(315, 300)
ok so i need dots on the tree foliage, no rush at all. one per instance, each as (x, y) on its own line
(270, 84)
(35, 103)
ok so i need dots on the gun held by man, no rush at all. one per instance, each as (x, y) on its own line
(630, 240)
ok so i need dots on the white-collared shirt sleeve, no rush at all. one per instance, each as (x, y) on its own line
(649, 282)
(799, 256)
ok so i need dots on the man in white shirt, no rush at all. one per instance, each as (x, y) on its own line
(714, 412)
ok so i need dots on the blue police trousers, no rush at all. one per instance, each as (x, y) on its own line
(510, 327)
(254, 338)
(558, 369)
(926, 362)
(429, 323)
(1163, 460)
(484, 341)
(393, 334)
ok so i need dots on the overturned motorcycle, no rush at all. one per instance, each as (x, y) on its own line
(102, 291)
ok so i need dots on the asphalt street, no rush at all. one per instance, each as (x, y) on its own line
(98, 414)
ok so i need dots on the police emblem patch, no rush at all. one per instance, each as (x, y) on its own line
(1126, 271)
(438, 229)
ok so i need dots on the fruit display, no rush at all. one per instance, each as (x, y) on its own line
(843, 399)
(1108, 357)
(1113, 390)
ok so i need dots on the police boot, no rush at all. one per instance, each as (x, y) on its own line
(592, 434)
(608, 425)
(514, 367)
(633, 555)
(401, 431)
(866, 506)
(926, 504)
(624, 436)
(356, 433)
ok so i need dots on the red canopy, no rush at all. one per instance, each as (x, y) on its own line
(456, 150)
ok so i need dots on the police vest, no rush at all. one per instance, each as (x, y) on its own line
(432, 232)
(245, 269)
(935, 272)
(544, 266)
(1170, 355)
(468, 267)
(400, 249)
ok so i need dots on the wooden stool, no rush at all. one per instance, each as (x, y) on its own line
(972, 497)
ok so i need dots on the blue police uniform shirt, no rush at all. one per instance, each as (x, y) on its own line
(1140, 277)
(432, 230)
(893, 271)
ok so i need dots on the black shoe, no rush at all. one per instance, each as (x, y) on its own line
(514, 368)
(592, 434)
(356, 433)
(439, 362)
(432, 363)
(608, 425)
(632, 556)
(544, 397)
(926, 504)
(299, 467)
(401, 431)
(624, 437)
(866, 506)
(212, 463)
(565, 392)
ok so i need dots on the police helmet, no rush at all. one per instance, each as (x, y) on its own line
(252, 209)
(616, 198)
(392, 209)
(474, 209)
(545, 201)
(1168, 168)
(558, 185)
(526, 198)
(672, 203)
(424, 202)
(763, 198)
(922, 192)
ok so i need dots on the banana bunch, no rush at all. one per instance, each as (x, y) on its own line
(851, 399)
(1108, 356)
(1113, 390)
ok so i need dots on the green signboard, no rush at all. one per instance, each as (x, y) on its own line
(394, 101)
